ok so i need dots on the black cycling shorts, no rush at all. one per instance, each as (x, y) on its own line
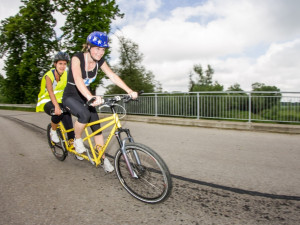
(64, 117)
(85, 114)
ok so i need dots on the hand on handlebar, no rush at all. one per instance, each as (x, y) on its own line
(133, 94)
(57, 111)
(54, 112)
(95, 101)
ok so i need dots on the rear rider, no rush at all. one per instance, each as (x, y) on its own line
(50, 97)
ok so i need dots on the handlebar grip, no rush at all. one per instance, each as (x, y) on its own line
(52, 111)
(128, 98)
(89, 102)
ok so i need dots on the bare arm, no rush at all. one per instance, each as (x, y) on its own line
(49, 87)
(117, 80)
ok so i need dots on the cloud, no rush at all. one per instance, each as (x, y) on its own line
(280, 66)
(136, 11)
(237, 38)
(9, 8)
(244, 41)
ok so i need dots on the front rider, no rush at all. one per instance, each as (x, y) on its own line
(83, 71)
(53, 84)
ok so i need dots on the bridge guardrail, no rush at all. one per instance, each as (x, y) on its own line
(244, 106)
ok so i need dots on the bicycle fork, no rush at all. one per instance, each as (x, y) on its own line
(122, 144)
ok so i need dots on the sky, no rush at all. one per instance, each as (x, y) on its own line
(244, 41)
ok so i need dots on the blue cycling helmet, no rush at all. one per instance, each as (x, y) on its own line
(98, 39)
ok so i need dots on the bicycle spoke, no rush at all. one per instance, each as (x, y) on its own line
(153, 183)
(149, 183)
(58, 149)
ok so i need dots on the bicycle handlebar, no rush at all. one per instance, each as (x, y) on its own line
(52, 111)
(90, 102)
(115, 99)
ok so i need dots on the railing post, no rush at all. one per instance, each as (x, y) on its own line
(155, 104)
(124, 105)
(198, 106)
(249, 107)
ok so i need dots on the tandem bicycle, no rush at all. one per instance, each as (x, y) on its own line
(140, 170)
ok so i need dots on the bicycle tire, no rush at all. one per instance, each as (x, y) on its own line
(58, 149)
(154, 183)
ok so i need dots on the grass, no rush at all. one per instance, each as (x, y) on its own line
(17, 108)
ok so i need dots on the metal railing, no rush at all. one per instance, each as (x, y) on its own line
(18, 105)
(246, 106)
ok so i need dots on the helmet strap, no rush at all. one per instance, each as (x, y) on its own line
(57, 72)
(89, 50)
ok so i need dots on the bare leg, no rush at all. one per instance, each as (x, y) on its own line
(99, 140)
(53, 126)
(78, 128)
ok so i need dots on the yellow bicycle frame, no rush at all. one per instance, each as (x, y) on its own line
(112, 120)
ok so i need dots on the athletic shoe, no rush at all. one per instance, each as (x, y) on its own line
(108, 168)
(54, 136)
(79, 147)
(78, 157)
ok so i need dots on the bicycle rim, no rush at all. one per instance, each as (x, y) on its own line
(153, 184)
(58, 149)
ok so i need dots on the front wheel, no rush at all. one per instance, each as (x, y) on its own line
(153, 183)
(58, 149)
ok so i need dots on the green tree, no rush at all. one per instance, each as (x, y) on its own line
(262, 87)
(210, 103)
(264, 101)
(239, 100)
(205, 80)
(131, 71)
(191, 82)
(2, 80)
(27, 39)
(11, 46)
(82, 18)
(235, 87)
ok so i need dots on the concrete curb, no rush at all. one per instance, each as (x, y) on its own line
(264, 127)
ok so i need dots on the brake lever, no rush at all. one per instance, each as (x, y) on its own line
(90, 102)
(127, 98)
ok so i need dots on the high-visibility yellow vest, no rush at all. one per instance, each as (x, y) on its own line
(44, 97)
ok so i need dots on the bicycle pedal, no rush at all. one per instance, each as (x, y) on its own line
(98, 148)
(78, 157)
(71, 143)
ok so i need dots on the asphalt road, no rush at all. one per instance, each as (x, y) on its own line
(219, 176)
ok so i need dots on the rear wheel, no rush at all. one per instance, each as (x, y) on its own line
(58, 149)
(154, 183)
